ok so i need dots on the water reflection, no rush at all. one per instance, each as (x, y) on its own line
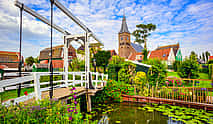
(130, 114)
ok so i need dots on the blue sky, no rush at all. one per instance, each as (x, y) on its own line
(188, 22)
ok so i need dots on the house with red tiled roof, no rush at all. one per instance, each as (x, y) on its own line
(57, 58)
(210, 58)
(166, 55)
(9, 60)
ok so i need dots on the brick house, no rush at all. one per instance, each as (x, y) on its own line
(9, 60)
(57, 57)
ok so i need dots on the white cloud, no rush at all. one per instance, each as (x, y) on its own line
(177, 21)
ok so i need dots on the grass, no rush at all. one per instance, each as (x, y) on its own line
(13, 93)
(175, 74)
(203, 84)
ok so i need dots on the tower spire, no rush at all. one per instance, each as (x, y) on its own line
(124, 27)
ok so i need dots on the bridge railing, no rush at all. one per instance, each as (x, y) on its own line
(40, 82)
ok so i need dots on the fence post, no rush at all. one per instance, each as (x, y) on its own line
(81, 79)
(96, 78)
(37, 90)
(73, 81)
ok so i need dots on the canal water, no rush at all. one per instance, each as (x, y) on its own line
(128, 113)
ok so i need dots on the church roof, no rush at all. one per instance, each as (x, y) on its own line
(174, 46)
(124, 27)
(137, 47)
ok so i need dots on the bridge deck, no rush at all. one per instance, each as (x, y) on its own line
(63, 93)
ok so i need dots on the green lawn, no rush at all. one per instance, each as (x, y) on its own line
(13, 93)
(175, 74)
(204, 84)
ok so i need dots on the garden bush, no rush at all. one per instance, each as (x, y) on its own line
(157, 73)
(176, 65)
(127, 72)
(189, 69)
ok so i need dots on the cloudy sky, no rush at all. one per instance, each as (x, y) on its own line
(189, 22)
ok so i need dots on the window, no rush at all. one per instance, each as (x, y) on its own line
(164, 55)
(127, 38)
(121, 38)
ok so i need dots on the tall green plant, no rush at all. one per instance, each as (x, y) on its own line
(189, 69)
(157, 73)
(127, 72)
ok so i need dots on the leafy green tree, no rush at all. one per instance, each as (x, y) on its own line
(114, 67)
(29, 60)
(77, 65)
(203, 57)
(189, 68)
(207, 54)
(127, 72)
(142, 32)
(176, 65)
(157, 73)
(102, 58)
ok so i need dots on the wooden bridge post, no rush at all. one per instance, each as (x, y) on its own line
(81, 80)
(96, 80)
(36, 77)
(73, 79)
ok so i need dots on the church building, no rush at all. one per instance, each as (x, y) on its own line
(127, 49)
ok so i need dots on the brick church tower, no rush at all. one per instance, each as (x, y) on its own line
(124, 40)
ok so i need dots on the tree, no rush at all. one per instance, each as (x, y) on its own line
(189, 67)
(207, 56)
(142, 32)
(102, 58)
(157, 73)
(203, 57)
(29, 60)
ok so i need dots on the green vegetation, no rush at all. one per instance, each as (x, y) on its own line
(102, 58)
(30, 60)
(183, 114)
(189, 67)
(157, 73)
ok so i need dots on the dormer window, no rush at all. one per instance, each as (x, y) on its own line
(164, 55)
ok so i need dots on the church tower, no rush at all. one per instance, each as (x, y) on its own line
(124, 40)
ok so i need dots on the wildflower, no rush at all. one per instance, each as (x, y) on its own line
(212, 84)
(25, 93)
(167, 82)
(172, 81)
(74, 96)
(73, 88)
(76, 112)
(75, 102)
(70, 118)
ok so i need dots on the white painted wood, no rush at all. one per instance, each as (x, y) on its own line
(73, 82)
(81, 80)
(37, 86)
(96, 80)
(15, 81)
(66, 64)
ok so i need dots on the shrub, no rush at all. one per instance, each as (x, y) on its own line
(157, 73)
(189, 69)
(114, 67)
(176, 65)
(127, 72)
